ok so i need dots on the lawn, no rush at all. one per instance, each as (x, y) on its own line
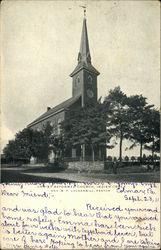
(48, 174)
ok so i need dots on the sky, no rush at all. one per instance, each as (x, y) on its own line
(40, 45)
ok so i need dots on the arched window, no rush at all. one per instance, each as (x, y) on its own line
(77, 81)
(90, 79)
(59, 125)
(52, 127)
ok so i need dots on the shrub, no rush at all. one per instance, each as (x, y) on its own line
(109, 158)
(126, 158)
(133, 158)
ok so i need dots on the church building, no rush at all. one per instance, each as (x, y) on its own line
(84, 91)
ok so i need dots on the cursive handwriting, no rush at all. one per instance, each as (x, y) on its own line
(39, 217)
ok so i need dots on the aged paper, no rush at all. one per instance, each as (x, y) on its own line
(76, 216)
(80, 216)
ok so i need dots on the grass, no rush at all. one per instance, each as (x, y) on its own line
(40, 174)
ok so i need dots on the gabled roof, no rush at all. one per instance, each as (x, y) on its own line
(64, 105)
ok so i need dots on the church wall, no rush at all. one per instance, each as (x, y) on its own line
(76, 105)
(53, 120)
(77, 83)
(90, 85)
(82, 84)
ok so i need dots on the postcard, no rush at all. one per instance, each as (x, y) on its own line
(80, 124)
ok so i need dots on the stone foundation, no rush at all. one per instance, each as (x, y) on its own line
(86, 165)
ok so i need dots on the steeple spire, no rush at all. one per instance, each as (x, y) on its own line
(84, 53)
(84, 57)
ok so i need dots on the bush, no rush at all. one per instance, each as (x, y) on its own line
(149, 158)
(144, 158)
(109, 158)
(115, 158)
(126, 158)
(58, 165)
(133, 158)
(138, 158)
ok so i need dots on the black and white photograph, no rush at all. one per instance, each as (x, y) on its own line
(80, 91)
(80, 124)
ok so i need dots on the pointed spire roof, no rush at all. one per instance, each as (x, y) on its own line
(84, 57)
(84, 53)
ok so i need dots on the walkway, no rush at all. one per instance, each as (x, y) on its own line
(95, 177)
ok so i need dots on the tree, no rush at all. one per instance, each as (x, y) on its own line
(139, 116)
(28, 143)
(87, 126)
(11, 150)
(68, 129)
(36, 142)
(57, 145)
(119, 120)
(153, 131)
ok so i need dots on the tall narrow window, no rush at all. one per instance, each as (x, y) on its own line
(59, 125)
(90, 79)
(77, 81)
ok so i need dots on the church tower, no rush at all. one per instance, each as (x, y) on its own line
(85, 75)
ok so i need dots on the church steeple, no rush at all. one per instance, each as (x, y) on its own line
(85, 75)
(84, 53)
(84, 57)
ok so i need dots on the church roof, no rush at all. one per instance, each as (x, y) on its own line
(84, 57)
(58, 108)
(88, 67)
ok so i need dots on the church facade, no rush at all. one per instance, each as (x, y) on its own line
(84, 91)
